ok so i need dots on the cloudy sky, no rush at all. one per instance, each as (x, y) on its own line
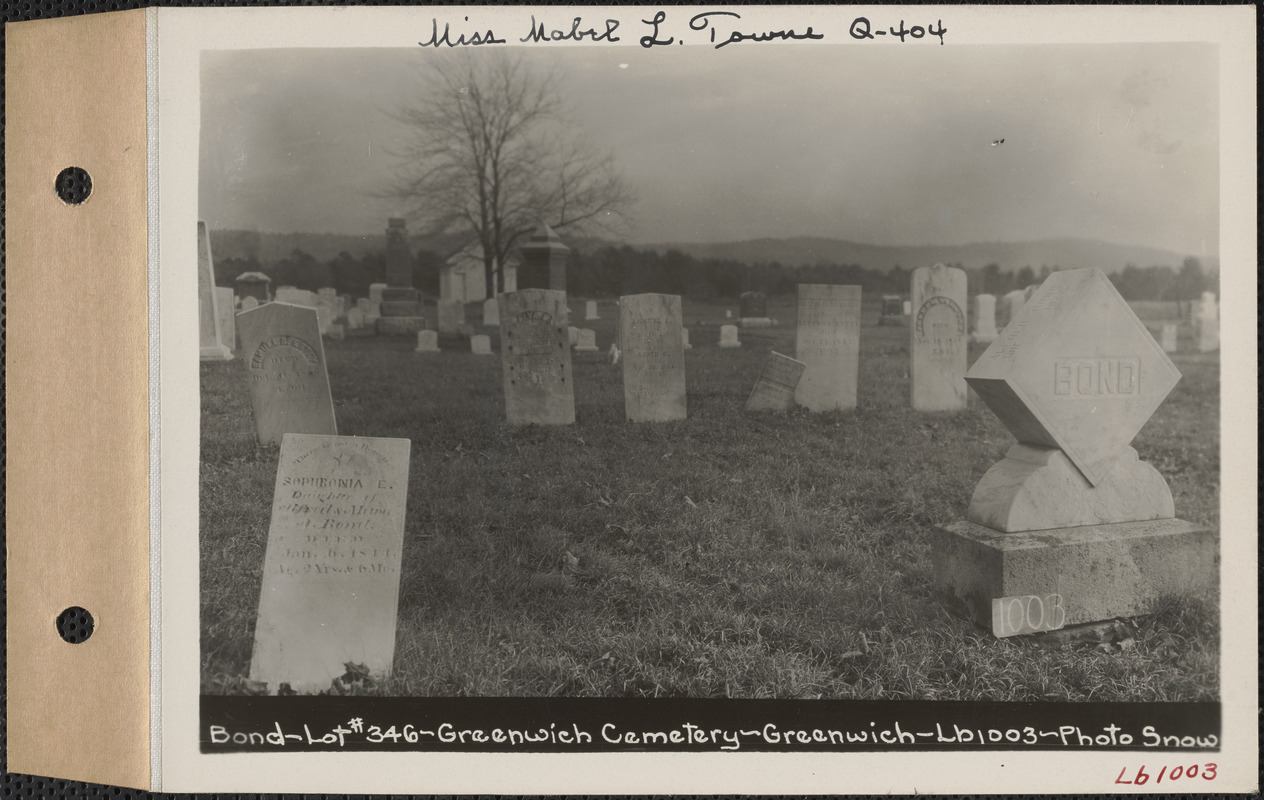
(1115, 142)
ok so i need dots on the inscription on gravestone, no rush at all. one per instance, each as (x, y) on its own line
(774, 390)
(332, 567)
(536, 358)
(653, 357)
(827, 341)
(937, 349)
(285, 368)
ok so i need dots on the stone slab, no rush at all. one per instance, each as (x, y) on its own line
(587, 341)
(938, 339)
(653, 357)
(536, 358)
(481, 344)
(212, 344)
(590, 310)
(775, 388)
(331, 570)
(1075, 370)
(491, 313)
(400, 326)
(399, 294)
(427, 342)
(285, 369)
(728, 337)
(1100, 571)
(752, 305)
(401, 308)
(827, 341)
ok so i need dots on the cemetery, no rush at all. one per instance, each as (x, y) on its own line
(805, 502)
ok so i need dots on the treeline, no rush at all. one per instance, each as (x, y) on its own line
(614, 271)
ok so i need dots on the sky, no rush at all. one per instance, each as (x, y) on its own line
(1115, 142)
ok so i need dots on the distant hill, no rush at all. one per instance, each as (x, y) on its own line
(270, 248)
(1063, 253)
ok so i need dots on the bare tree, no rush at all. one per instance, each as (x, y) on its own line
(492, 151)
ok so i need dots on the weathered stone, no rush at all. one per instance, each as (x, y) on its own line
(375, 291)
(427, 342)
(1037, 488)
(572, 335)
(451, 315)
(247, 304)
(227, 317)
(355, 318)
(285, 367)
(331, 570)
(1168, 337)
(590, 310)
(491, 313)
(937, 350)
(545, 252)
(587, 342)
(827, 342)
(684, 338)
(399, 261)
(536, 358)
(253, 284)
(1076, 370)
(481, 344)
(985, 318)
(775, 388)
(1013, 303)
(1100, 571)
(728, 336)
(213, 346)
(653, 358)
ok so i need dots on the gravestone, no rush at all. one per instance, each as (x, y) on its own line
(590, 310)
(572, 335)
(684, 338)
(1013, 304)
(247, 304)
(937, 349)
(536, 358)
(355, 318)
(451, 314)
(544, 253)
(827, 342)
(364, 305)
(1168, 337)
(212, 345)
(1071, 511)
(324, 318)
(728, 313)
(753, 309)
(985, 318)
(775, 388)
(587, 342)
(892, 310)
(653, 358)
(1208, 323)
(908, 308)
(491, 313)
(337, 331)
(427, 342)
(253, 284)
(399, 261)
(227, 317)
(331, 570)
(375, 291)
(285, 368)
(481, 344)
(728, 337)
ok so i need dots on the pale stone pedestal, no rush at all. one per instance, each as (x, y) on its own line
(1101, 571)
(215, 352)
(397, 326)
(755, 322)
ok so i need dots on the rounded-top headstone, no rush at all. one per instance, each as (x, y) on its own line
(1075, 370)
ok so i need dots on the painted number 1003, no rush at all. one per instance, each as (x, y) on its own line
(1027, 614)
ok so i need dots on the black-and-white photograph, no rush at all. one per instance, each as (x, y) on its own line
(809, 372)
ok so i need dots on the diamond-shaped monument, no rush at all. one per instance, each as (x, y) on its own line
(1075, 370)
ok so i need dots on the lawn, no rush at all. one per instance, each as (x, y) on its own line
(726, 555)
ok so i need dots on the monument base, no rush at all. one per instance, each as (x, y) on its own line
(579, 348)
(1101, 571)
(730, 345)
(755, 322)
(399, 326)
(216, 352)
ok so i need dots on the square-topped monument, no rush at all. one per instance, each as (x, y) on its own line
(1075, 370)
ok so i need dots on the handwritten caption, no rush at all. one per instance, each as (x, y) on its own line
(359, 734)
(716, 28)
(1027, 614)
(1206, 771)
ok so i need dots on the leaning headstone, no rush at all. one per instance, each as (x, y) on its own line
(1168, 337)
(1208, 323)
(331, 570)
(481, 344)
(285, 366)
(213, 346)
(227, 316)
(985, 318)
(937, 349)
(1070, 512)
(427, 342)
(491, 313)
(728, 336)
(536, 358)
(590, 310)
(587, 342)
(775, 388)
(451, 314)
(753, 310)
(827, 342)
(653, 359)
(684, 338)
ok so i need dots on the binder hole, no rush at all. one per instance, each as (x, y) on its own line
(73, 185)
(74, 625)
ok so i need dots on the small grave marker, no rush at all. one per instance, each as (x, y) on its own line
(937, 363)
(590, 310)
(653, 359)
(481, 344)
(775, 388)
(491, 313)
(536, 358)
(587, 341)
(827, 342)
(285, 368)
(427, 342)
(728, 336)
(985, 318)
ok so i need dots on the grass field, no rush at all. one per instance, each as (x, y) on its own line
(726, 555)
